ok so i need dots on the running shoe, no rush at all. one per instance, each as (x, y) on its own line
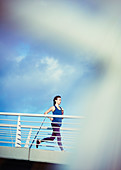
(37, 143)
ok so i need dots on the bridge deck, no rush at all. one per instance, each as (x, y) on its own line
(37, 155)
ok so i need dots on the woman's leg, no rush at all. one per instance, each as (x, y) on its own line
(47, 138)
(52, 136)
(57, 133)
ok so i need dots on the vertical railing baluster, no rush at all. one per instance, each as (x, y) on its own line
(28, 139)
(18, 134)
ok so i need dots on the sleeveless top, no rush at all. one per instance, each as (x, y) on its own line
(57, 120)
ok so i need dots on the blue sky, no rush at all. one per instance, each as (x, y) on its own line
(70, 48)
(33, 72)
(36, 68)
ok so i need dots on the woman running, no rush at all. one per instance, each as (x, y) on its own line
(56, 122)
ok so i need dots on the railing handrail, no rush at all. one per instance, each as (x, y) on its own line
(21, 125)
(35, 127)
(40, 115)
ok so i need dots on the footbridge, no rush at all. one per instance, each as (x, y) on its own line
(19, 131)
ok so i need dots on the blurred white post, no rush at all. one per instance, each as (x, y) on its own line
(18, 134)
(28, 139)
(11, 136)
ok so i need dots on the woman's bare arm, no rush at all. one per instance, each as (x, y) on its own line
(62, 111)
(49, 110)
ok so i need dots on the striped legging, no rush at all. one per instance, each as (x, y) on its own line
(56, 132)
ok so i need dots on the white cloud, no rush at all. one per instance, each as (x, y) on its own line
(40, 74)
(54, 70)
(19, 58)
(51, 63)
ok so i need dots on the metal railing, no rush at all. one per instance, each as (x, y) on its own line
(19, 130)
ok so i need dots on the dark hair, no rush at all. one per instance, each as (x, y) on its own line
(55, 98)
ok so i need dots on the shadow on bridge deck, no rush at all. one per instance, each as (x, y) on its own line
(12, 164)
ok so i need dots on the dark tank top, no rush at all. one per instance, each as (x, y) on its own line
(57, 120)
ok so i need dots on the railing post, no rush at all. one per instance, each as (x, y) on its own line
(18, 134)
(28, 139)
